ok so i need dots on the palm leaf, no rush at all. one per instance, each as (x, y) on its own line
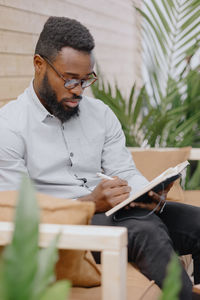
(183, 19)
(130, 100)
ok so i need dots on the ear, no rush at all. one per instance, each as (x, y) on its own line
(39, 64)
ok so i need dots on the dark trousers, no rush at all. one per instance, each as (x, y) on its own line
(152, 240)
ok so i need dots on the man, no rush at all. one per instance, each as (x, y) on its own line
(61, 139)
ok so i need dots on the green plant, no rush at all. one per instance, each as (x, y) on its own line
(129, 112)
(171, 39)
(146, 124)
(172, 282)
(166, 111)
(27, 272)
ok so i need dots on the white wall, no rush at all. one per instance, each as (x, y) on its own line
(113, 24)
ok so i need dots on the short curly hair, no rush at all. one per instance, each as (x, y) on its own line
(59, 32)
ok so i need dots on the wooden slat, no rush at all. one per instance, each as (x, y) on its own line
(24, 43)
(23, 21)
(11, 88)
(16, 65)
(111, 22)
(15, 42)
(110, 8)
(75, 236)
(111, 38)
(114, 266)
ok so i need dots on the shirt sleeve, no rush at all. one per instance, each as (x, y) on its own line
(116, 158)
(12, 162)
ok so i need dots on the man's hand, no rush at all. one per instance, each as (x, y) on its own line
(108, 193)
(156, 198)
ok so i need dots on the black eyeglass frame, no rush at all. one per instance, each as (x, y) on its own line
(73, 82)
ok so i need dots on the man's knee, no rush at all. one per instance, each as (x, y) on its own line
(148, 238)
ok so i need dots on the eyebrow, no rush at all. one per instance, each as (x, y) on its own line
(75, 74)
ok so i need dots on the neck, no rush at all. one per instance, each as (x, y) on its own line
(36, 89)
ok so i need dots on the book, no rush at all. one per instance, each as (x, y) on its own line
(157, 184)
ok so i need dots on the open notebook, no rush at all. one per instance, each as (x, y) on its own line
(157, 184)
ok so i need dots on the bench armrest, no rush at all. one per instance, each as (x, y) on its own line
(111, 241)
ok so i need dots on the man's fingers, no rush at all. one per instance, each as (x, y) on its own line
(169, 187)
(155, 197)
(116, 200)
(149, 206)
(118, 191)
(106, 183)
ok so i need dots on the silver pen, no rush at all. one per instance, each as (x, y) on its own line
(103, 176)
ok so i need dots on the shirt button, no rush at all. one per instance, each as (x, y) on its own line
(71, 154)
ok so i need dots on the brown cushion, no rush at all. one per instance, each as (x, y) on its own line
(153, 162)
(77, 266)
(192, 197)
(138, 287)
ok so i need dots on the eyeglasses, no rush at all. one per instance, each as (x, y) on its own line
(72, 83)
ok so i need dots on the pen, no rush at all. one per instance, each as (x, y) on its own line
(103, 176)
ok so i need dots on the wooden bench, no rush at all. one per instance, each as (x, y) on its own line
(118, 281)
(110, 241)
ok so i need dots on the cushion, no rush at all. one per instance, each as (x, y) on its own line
(77, 266)
(138, 287)
(152, 162)
(192, 197)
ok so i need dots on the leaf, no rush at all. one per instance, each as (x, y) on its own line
(188, 33)
(165, 114)
(172, 282)
(2, 281)
(120, 107)
(45, 272)
(157, 33)
(26, 272)
(138, 106)
(162, 18)
(194, 181)
(130, 100)
(167, 25)
(187, 125)
(168, 9)
(189, 21)
(59, 290)
(20, 257)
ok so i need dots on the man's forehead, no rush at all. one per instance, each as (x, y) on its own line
(74, 61)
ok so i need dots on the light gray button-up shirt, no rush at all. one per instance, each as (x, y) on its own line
(62, 159)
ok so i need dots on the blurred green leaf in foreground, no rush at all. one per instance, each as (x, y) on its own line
(27, 272)
(172, 282)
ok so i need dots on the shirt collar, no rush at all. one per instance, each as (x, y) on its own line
(42, 112)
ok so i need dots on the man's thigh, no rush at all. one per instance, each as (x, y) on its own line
(135, 219)
(147, 235)
(183, 224)
(131, 218)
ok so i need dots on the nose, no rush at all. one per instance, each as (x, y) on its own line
(77, 90)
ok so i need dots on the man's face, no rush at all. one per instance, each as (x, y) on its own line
(71, 64)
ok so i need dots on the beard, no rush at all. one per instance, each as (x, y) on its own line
(48, 95)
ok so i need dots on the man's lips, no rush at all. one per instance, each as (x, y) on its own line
(71, 102)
